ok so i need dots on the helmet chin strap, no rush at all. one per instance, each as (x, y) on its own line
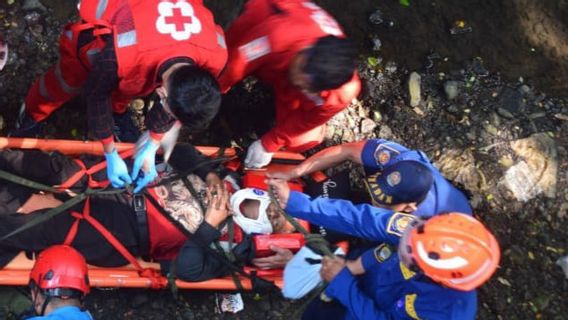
(44, 306)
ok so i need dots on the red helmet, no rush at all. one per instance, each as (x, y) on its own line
(60, 267)
(454, 249)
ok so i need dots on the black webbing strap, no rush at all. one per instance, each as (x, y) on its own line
(41, 218)
(139, 204)
(26, 182)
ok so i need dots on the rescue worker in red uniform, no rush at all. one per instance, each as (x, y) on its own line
(125, 49)
(301, 51)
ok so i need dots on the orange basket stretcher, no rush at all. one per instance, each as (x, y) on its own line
(16, 273)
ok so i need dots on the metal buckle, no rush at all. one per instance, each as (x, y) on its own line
(139, 203)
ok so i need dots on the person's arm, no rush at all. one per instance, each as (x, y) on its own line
(100, 83)
(311, 113)
(325, 159)
(247, 42)
(193, 262)
(345, 289)
(364, 221)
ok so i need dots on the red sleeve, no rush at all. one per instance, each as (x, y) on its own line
(309, 115)
(242, 32)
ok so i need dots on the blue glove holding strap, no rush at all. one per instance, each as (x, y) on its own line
(117, 172)
(146, 156)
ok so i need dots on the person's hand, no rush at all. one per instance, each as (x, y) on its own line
(355, 267)
(285, 175)
(145, 159)
(213, 180)
(276, 261)
(117, 172)
(218, 206)
(257, 156)
(281, 189)
(330, 267)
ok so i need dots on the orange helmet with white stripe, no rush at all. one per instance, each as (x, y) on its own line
(455, 250)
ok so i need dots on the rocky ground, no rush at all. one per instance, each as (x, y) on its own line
(487, 105)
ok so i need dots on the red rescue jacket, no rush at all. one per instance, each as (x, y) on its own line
(263, 41)
(147, 33)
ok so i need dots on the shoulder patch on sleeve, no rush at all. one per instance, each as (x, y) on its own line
(382, 252)
(409, 306)
(398, 222)
(255, 49)
(384, 154)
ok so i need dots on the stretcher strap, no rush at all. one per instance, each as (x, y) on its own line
(89, 172)
(156, 279)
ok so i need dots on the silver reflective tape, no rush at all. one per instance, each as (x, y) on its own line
(69, 34)
(221, 41)
(92, 54)
(126, 39)
(66, 87)
(101, 7)
(43, 89)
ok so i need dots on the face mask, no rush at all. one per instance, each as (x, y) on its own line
(262, 224)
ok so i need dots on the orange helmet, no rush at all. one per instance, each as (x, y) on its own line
(454, 249)
(60, 270)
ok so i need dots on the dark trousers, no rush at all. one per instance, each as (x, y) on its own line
(113, 211)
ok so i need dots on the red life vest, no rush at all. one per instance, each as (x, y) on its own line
(147, 33)
(165, 238)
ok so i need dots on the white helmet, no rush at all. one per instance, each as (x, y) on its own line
(262, 224)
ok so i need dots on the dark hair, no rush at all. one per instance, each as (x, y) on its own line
(194, 97)
(331, 63)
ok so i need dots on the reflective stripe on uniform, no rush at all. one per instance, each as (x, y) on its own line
(64, 85)
(101, 7)
(221, 40)
(126, 39)
(43, 89)
(91, 54)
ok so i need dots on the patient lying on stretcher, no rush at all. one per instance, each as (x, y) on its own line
(176, 234)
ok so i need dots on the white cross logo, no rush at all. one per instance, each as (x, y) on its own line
(177, 19)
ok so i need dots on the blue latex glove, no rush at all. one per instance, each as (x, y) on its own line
(117, 172)
(145, 156)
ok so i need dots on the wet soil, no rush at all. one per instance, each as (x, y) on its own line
(509, 75)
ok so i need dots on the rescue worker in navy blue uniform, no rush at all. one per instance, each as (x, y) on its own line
(427, 279)
(378, 154)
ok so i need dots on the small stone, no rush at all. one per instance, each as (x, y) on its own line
(414, 89)
(505, 113)
(390, 67)
(34, 5)
(376, 17)
(137, 104)
(452, 89)
(377, 116)
(367, 126)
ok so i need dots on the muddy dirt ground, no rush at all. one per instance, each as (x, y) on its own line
(481, 93)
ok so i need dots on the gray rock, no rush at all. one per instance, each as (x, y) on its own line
(367, 126)
(451, 88)
(33, 5)
(505, 113)
(414, 89)
(537, 172)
